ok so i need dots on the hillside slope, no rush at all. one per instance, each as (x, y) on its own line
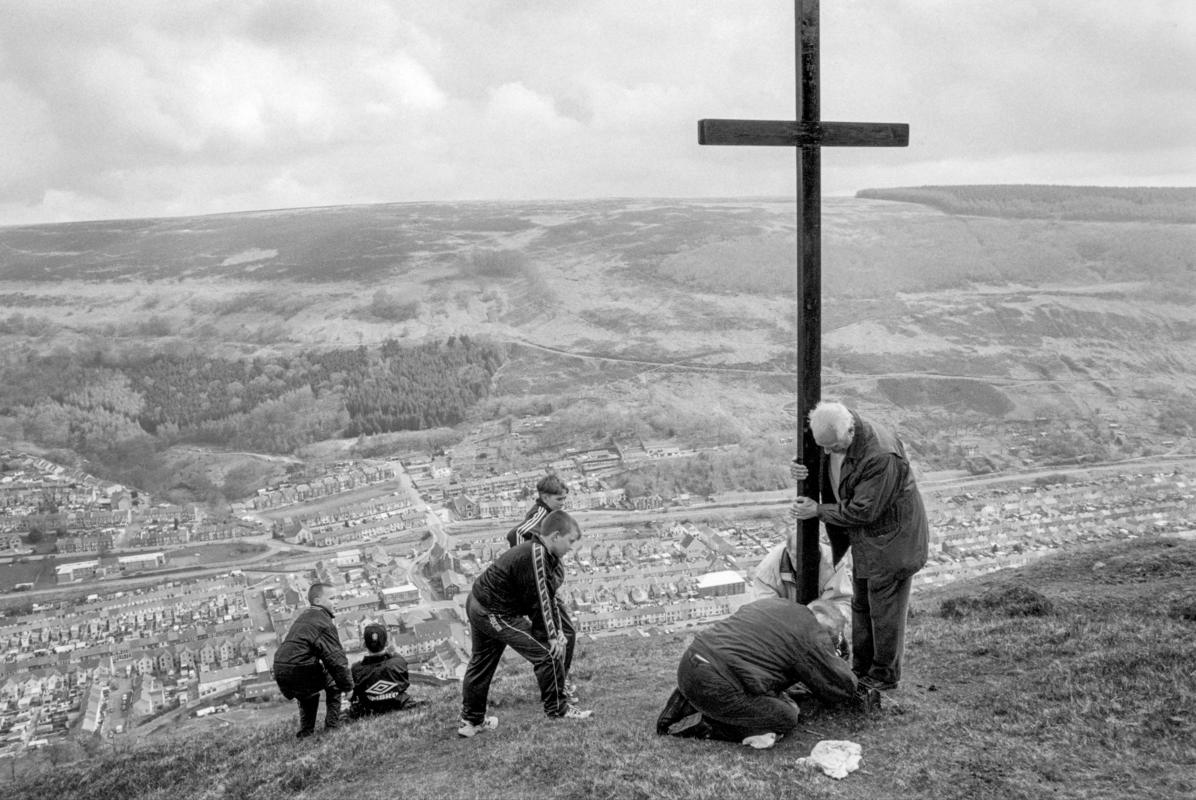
(1069, 679)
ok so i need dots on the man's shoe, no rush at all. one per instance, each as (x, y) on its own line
(762, 741)
(880, 686)
(303, 734)
(573, 712)
(692, 727)
(676, 709)
(468, 730)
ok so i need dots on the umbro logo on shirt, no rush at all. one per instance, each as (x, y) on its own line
(383, 690)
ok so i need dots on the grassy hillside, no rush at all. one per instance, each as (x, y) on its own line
(1102, 203)
(1068, 679)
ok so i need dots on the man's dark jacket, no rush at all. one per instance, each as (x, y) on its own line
(880, 512)
(380, 682)
(770, 644)
(523, 582)
(311, 658)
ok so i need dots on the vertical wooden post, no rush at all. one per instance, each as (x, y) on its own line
(809, 289)
(809, 134)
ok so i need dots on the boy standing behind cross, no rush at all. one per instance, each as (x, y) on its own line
(551, 494)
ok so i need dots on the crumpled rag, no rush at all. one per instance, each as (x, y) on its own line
(835, 758)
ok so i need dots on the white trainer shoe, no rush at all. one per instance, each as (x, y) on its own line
(469, 730)
(762, 741)
(573, 712)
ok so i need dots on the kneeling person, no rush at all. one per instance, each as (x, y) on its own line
(732, 679)
(311, 661)
(380, 679)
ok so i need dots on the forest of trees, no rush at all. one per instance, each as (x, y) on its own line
(1091, 203)
(112, 409)
(756, 466)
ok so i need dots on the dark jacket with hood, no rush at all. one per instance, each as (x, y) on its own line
(880, 512)
(311, 658)
(771, 644)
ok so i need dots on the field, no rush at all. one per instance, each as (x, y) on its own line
(1067, 679)
(41, 573)
(215, 553)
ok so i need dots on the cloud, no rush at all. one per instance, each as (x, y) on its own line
(135, 107)
(1023, 76)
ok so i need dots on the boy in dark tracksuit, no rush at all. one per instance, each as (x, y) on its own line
(380, 679)
(735, 672)
(551, 494)
(513, 604)
(311, 660)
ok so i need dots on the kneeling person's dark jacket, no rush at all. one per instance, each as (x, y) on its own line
(771, 644)
(380, 682)
(311, 658)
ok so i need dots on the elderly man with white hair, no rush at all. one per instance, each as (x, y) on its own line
(869, 500)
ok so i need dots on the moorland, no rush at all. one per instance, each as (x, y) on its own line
(168, 353)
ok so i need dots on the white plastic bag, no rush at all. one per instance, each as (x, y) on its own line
(835, 758)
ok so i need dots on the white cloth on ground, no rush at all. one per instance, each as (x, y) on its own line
(834, 757)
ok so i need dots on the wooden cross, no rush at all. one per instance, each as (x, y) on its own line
(810, 134)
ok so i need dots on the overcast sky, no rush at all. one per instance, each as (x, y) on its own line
(122, 108)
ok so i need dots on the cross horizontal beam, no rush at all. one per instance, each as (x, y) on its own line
(774, 133)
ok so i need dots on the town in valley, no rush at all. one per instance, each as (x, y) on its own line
(123, 615)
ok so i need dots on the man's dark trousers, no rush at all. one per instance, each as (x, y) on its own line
(491, 634)
(308, 706)
(732, 713)
(879, 607)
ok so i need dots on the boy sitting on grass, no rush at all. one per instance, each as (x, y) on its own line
(380, 679)
(513, 603)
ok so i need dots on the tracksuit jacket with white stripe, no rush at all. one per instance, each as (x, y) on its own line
(523, 582)
(531, 523)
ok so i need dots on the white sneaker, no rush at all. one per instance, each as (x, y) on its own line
(573, 712)
(469, 730)
(762, 741)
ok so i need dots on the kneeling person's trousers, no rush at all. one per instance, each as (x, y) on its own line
(732, 713)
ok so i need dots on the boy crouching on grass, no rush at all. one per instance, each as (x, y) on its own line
(311, 661)
(513, 603)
